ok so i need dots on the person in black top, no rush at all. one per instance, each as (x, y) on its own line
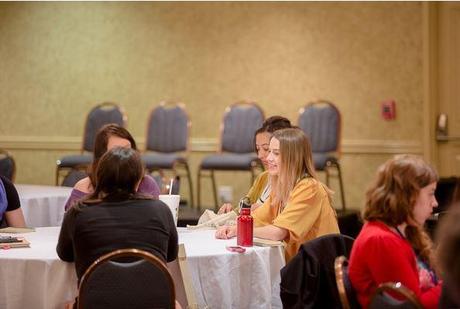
(10, 207)
(115, 216)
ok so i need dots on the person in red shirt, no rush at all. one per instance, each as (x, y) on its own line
(392, 246)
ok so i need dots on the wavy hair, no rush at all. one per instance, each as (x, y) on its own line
(392, 196)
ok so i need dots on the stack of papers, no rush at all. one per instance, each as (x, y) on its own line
(267, 242)
(17, 230)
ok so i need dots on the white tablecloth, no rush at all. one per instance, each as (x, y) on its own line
(232, 280)
(36, 278)
(43, 205)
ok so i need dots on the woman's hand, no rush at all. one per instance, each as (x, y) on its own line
(425, 279)
(227, 207)
(226, 232)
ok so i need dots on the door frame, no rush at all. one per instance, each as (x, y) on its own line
(430, 63)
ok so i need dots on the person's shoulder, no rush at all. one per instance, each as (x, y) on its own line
(5, 180)
(154, 204)
(309, 185)
(378, 233)
(149, 186)
(84, 185)
(148, 179)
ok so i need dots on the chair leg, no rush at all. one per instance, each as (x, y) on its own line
(198, 188)
(253, 177)
(326, 170)
(342, 193)
(57, 175)
(214, 190)
(190, 186)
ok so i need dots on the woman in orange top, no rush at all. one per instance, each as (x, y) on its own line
(299, 207)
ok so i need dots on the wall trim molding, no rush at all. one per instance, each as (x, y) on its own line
(73, 143)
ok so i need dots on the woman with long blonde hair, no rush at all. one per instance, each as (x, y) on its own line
(392, 246)
(299, 206)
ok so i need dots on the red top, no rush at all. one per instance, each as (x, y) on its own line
(380, 255)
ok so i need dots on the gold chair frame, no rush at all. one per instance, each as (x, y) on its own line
(126, 253)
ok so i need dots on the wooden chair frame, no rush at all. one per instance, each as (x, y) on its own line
(400, 289)
(339, 263)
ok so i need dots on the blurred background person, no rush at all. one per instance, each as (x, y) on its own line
(448, 238)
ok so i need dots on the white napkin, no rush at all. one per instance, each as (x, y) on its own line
(209, 220)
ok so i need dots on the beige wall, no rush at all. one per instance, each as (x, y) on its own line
(59, 59)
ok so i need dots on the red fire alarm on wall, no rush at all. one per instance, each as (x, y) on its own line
(389, 110)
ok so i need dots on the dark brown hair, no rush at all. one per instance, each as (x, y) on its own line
(448, 238)
(117, 174)
(272, 124)
(100, 145)
(392, 197)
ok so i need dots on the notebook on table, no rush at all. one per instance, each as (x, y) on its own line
(17, 230)
(7, 242)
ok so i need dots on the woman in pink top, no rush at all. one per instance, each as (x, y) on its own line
(108, 137)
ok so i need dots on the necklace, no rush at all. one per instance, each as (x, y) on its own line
(400, 233)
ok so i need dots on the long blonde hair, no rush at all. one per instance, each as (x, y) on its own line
(392, 197)
(296, 163)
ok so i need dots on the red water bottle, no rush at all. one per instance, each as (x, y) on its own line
(244, 226)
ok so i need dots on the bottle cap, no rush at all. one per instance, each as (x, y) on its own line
(245, 202)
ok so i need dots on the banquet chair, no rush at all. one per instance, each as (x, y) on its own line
(99, 116)
(168, 131)
(126, 278)
(7, 165)
(73, 177)
(382, 300)
(321, 122)
(308, 280)
(236, 149)
(346, 293)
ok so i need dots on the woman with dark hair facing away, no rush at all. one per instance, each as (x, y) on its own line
(260, 190)
(116, 216)
(299, 206)
(10, 206)
(392, 246)
(108, 137)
